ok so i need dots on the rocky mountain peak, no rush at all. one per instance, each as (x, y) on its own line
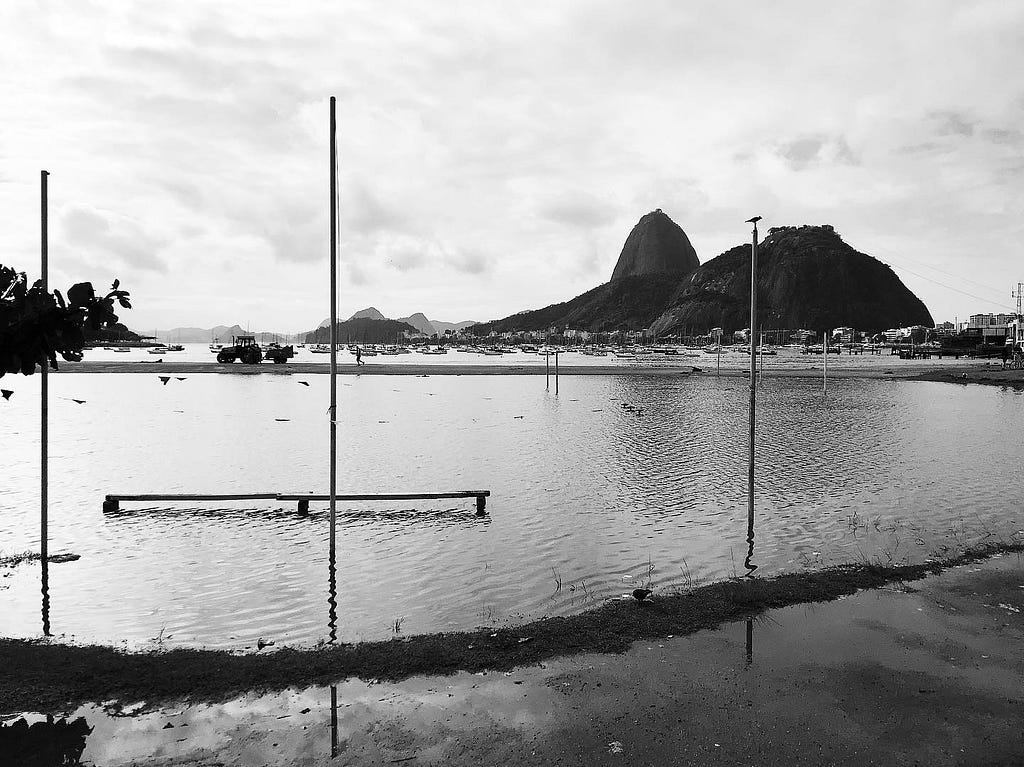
(656, 245)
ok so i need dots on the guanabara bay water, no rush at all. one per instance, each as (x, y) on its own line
(618, 480)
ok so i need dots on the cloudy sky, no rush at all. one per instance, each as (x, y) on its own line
(494, 155)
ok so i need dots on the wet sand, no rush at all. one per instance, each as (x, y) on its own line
(978, 372)
(929, 672)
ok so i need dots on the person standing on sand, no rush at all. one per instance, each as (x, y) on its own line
(359, 357)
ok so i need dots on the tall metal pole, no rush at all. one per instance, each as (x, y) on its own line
(44, 409)
(753, 376)
(334, 327)
(718, 370)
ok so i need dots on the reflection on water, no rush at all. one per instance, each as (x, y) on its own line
(332, 601)
(614, 480)
(334, 721)
(748, 560)
(45, 588)
(44, 743)
(750, 642)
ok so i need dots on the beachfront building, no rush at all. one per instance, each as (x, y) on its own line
(844, 335)
(1015, 333)
(989, 328)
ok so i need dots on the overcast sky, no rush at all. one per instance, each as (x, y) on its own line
(494, 155)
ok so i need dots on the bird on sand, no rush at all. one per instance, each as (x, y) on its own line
(641, 594)
(6, 393)
(164, 379)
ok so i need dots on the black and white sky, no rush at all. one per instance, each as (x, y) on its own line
(494, 155)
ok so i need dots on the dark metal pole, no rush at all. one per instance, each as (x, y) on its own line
(334, 328)
(753, 376)
(44, 396)
(556, 372)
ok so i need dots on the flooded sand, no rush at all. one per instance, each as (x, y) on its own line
(930, 674)
(618, 480)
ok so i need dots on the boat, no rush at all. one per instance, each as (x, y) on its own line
(157, 350)
(121, 349)
(175, 348)
(320, 348)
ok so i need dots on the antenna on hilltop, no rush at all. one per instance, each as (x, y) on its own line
(1017, 294)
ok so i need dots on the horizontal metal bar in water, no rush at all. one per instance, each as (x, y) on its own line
(385, 496)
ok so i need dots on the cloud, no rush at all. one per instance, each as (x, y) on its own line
(953, 124)
(366, 214)
(102, 235)
(517, 142)
(467, 261)
(812, 150)
(578, 210)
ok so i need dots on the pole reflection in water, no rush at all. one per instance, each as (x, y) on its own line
(46, 598)
(334, 721)
(750, 641)
(750, 552)
(332, 600)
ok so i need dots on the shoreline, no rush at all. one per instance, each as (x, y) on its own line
(49, 677)
(956, 372)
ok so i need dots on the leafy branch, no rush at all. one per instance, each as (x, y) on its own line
(36, 325)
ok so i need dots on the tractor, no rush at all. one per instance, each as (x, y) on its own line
(242, 348)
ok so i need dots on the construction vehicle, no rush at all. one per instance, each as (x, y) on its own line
(246, 349)
(279, 354)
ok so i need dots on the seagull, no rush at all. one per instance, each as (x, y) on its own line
(181, 379)
(164, 379)
(6, 393)
(304, 383)
(641, 594)
(753, 220)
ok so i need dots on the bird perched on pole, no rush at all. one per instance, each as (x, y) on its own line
(753, 220)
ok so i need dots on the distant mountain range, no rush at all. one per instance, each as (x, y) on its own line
(364, 330)
(220, 333)
(807, 278)
(418, 321)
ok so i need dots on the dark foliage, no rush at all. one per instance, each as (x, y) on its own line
(36, 325)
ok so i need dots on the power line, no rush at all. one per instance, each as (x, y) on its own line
(950, 274)
(957, 290)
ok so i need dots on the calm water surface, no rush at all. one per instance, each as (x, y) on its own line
(589, 496)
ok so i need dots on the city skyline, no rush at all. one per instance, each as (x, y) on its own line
(493, 159)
